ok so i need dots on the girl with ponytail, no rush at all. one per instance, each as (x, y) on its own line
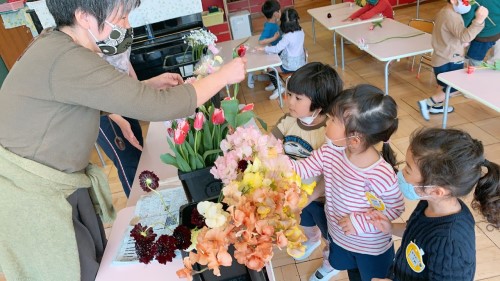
(438, 243)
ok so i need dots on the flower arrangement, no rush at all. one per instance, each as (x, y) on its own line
(198, 40)
(264, 198)
(196, 139)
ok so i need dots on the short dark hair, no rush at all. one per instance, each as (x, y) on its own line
(452, 159)
(366, 111)
(290, 21)
(63, 11)
(319, 82)
(270, 7)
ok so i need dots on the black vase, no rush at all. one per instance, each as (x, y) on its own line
(235, 272)
(200, 185)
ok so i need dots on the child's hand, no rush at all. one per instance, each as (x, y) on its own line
(346, 225)
(481, 14)
(380, 221)
(347, 19)
(259, 48)
(276, 36)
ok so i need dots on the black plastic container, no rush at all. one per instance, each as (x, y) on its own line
(236, 272)
(200, 185)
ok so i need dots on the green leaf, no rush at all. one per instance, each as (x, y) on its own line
(190, 138)
(199, 162)
(262, 123)
(207, 136)
(169, 160)
(236, 89)
(244, 117)
(192, 161)
(183, 164)
(211, 152)
(231, 109)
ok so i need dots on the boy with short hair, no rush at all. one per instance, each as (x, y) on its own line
(448, 39)
(271, 33)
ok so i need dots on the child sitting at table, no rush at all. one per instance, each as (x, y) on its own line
(373, 8)
(448, 39)
(270, 34)
(290, 48)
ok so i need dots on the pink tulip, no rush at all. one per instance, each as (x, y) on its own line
(213, 49)
(179, 136)
(183, 125)
(248, 107)
(218, 116)
(199, 119)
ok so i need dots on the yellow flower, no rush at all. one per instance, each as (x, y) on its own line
(194, 239)
(218, 59)
(294, 234)
(295, 249)
(252, 180)
(255, 166)
(303, 200)
(308, 188)
(263, 211)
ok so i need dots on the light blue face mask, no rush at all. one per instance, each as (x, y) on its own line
(372, 2)
(461, 8)
(408, 189)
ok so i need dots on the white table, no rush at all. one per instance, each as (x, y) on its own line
(256, 60)
(338, 13)
(392, 41)
(481, 85)
(154, 145)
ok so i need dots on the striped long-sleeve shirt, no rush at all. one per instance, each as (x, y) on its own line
(345, 187)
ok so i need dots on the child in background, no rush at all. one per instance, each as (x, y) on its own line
(448, 39)
(373, 8)
(311, 89)
(357, 179)
(271, 32)
(439, 241)
(290, 48)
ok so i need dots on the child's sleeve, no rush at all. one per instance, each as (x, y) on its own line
(285, 40)
(465, 34)
(450, 259)
(279, 129)
(311, 166)
(266, 33)
(361, 11)
(377, 9)
(393, 200)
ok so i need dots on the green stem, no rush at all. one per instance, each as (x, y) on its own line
(195, 141)
(488, 17)
(161, 197)
(394, 37)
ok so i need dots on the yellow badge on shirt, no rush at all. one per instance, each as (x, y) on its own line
(414, 257)
(376, 202)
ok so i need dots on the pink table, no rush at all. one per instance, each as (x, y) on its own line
(153, 271)
(482, 85)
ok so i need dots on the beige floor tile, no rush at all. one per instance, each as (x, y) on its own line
(478, 133)
(490, 125)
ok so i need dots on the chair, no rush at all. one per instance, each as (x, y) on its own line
(425, 26)
(285, 76)
(100, 155)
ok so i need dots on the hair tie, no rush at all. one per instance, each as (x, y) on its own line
(387, 142)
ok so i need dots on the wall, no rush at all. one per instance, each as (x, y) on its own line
(151, 11)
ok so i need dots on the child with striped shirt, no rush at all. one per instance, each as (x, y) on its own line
(358, 179)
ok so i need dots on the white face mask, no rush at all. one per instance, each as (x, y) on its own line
(461, 8)
(331, 143)
(309, 119)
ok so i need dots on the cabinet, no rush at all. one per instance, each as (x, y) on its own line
(14, 42)
(394, 3)
(222, 31)
(253, 6)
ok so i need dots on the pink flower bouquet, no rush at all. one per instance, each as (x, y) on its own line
(264, 198)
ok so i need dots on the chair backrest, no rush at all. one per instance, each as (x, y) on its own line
(307, 54)
(421, 24)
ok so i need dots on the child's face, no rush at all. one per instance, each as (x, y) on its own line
(335, 131)
(411, 171)
(277, 15)
(299, 105)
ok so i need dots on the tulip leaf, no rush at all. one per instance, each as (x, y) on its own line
(262, 123)
(211, 152)
(190, 138)
(169, 159)
(183, 164)
(207, 136)
(244, 117)
(192, 161)
(199, 162)
(231, 109)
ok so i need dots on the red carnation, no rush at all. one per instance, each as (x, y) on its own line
(165, 249)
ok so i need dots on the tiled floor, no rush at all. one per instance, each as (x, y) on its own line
(482, 122)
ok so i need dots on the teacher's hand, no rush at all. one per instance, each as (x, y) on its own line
(165, 80)
(234, 71)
